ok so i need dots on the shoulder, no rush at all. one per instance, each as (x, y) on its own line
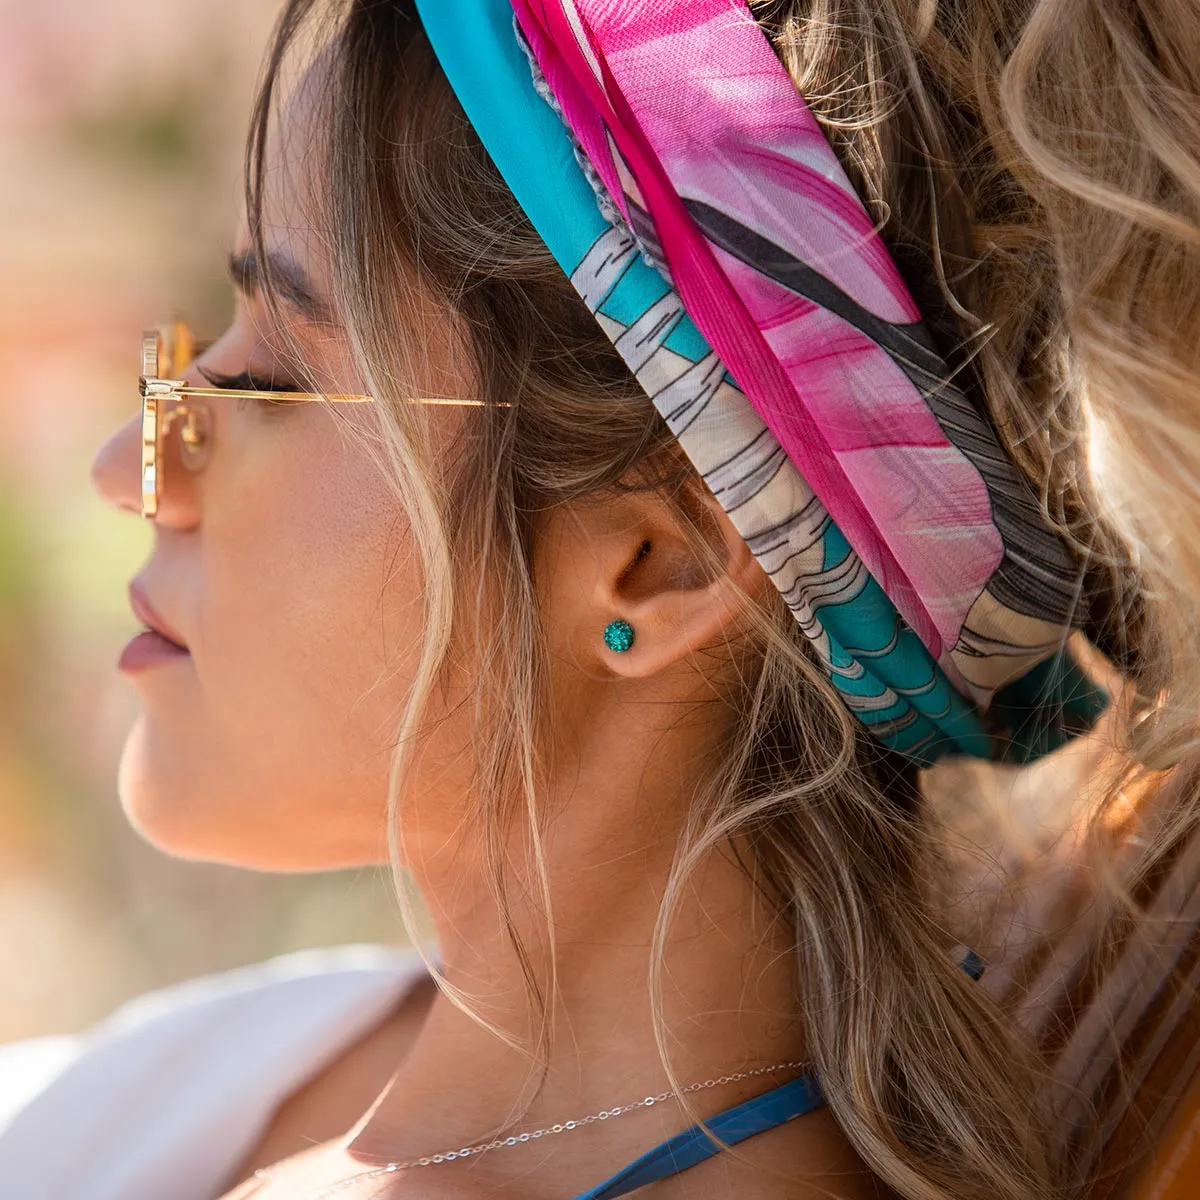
(193, 1070)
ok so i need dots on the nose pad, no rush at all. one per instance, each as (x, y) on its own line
(195, 434)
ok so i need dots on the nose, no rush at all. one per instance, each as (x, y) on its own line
(116, 469)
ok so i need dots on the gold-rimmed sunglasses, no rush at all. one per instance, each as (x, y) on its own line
(166, 352)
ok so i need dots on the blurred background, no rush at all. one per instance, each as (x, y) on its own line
(120, 139)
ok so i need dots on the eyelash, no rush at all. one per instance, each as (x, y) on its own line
(245, 381)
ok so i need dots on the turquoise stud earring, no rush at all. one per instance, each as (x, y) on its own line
(618, 636)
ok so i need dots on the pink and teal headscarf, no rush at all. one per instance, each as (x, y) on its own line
(669, 163)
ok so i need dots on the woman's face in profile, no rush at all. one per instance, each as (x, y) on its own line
(286, 568)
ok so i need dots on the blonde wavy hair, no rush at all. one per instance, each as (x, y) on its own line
(1034, 166)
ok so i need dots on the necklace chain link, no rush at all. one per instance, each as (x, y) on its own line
(516, 1139)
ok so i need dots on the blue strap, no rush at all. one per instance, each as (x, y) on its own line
(695, 1145)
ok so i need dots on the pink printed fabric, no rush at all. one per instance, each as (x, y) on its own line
(718, 167)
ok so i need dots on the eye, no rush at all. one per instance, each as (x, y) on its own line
(247, 381)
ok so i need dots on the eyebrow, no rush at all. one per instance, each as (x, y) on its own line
(287, 278)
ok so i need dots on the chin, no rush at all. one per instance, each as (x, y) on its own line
(189, 815)
(161, 804)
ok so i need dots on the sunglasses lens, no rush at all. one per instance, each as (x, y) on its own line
(179, 348)
(165, 352)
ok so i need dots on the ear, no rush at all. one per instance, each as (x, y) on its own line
(630, 559)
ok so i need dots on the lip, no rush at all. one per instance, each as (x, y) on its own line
(158, 643)
(145, 612)
(148, 649)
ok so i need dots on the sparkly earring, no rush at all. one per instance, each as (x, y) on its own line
(618, 636)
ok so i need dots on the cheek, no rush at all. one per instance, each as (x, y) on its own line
(312, 608)
(303, 565)
(307, 617)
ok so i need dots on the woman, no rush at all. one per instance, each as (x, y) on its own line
(629, 653)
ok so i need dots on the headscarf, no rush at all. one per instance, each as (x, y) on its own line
(673, 169)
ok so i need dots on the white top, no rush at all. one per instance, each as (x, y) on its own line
(165, 1098)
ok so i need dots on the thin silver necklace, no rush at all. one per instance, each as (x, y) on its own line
(517, 1139)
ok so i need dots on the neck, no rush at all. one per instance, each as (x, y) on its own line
(728, 997)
